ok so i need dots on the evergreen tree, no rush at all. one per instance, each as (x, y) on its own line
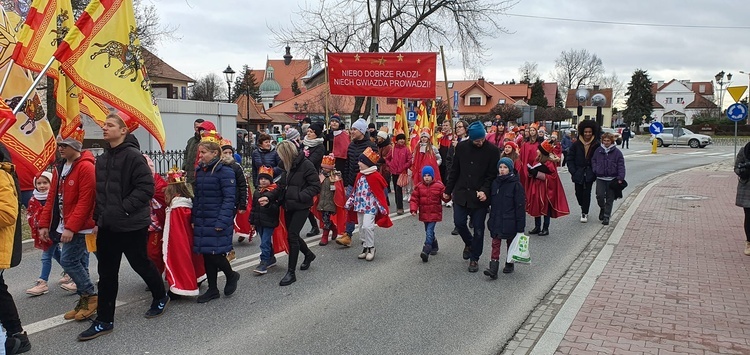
(295, 87)
(558, 100)
(639, 96)
(241, 83)
(537, 94)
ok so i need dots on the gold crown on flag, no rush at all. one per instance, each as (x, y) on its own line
(176, 176)
(211, 136)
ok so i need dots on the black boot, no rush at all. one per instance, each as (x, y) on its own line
(454, 231)
(492, 270)
(425, 254)
(508, 268)
(288, 279)
(313, 232)
(211, 294)
(306, 263)
(231, 285)
(534, 231)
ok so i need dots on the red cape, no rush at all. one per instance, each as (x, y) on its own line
(339, 199)
(420, 161)
(377, 187)
(527, 155)
(183, 268)
(540, 194)
(279, 238)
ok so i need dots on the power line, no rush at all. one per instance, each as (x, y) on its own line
(632, 23)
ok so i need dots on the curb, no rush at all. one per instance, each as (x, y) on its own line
(546, 325)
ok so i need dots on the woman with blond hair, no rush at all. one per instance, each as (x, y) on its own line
(299, 184)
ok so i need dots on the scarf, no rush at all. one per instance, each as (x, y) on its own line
(369, 170)
(586, 145)
(311, 143)
(337, 132)
(607, 149)
(40, 196)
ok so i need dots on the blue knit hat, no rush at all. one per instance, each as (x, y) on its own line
(505, 161)
(476, 130)
(428, 170)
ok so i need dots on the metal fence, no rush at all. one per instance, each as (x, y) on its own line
(163, 161)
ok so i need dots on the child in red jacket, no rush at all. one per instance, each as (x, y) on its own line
(50, 250)
(426, 199)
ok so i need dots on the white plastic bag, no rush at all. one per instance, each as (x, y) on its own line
(519, 250)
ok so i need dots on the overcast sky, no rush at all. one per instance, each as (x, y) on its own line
(220, 32)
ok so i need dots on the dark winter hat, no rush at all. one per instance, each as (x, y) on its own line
(428, 170)
(371, 126)
(505, 161)
(400, 136)
(317, 127)
(476, 130)
(335, 117)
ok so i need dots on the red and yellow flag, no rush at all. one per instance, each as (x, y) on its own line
(401, 125)
(46, 24)
(433, 123)
(28, 135)
(419, 124)
(102, 55)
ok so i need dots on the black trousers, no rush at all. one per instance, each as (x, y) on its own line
(399, 191)
(747, 228)
(214, 263)
(111, 246)
(8, 311)
(295, 220)
(583, 195)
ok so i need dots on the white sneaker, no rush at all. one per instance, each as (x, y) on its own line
(407, 197)
(584, 218)
(449, 204)
(370, 254)
(363, 254)
(70, 286)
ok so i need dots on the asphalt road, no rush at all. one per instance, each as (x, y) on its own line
(395, 304)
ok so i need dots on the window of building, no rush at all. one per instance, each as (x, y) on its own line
(680, 100)
(587, 117)
(475, 101)
(668, 100)
(501, 101)
(702, 88)
(450, 85)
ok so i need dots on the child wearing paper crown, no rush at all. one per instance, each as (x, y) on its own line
(507, 213)
(264, 216)
(369, 202)
(183, 268)
(545, 196)
(425, 200)
(330, 204)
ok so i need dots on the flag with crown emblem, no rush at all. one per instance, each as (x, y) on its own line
(28, 135)
(401, 125)
(102, 55)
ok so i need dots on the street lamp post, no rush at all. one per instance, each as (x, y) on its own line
(748, 89)
(720, 81)
(229, 75)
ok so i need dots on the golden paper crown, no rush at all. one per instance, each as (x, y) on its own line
(176, 176)
(370, 154)
(545, 147)
(535, 125)
(329, 161)
(265, 170)
(211, 136)
(78, 134)
(226, 142)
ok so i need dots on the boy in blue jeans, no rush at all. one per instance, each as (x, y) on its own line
(425, 200)
(265, 217)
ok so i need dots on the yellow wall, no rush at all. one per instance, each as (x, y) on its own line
(591, 112)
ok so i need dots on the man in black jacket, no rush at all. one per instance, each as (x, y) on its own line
(124, 188)
(471, 174)
(360, 142)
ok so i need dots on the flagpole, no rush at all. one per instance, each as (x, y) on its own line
(6, 76)
(445, 77)
(33, 86)
(328, 85)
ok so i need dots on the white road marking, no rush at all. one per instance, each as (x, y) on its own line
(52, 322)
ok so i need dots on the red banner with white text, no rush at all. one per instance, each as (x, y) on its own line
(402, 75)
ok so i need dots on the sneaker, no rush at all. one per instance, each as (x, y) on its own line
(473, 266)
(363, 254)
(407, 197)
(72, 314)
(19, 343)
(96, 329)
(584, 218)
(89, 304)
(344, 240)
(261, 269)
(157, 307)
(449, 204)
(370, 254)
(70, 286)
(400, 211)
(39, 288)
(65, 279)
(271, 263)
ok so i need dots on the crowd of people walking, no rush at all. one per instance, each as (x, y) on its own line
(180, 230)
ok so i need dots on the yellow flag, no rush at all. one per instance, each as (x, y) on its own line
(102, 55)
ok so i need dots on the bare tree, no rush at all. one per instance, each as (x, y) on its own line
(208, 88)
(577, 67)
(529, 72)
(378, 26)
(618, 88)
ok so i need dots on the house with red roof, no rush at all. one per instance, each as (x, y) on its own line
(166, 81)
(680, 100)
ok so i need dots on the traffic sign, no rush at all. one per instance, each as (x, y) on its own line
(736, 92)
(737, 112)
(411, 115)
(656, 127)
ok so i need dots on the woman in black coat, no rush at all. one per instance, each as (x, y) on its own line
(299, 183)
(507, 213)
(579, 164)
(314, 149)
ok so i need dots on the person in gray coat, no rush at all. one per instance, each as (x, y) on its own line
(742, 169)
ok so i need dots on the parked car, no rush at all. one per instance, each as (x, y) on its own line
(618, 136)
(683, 136)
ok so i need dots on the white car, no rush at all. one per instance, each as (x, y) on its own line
(683, 137)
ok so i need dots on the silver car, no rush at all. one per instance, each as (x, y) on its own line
(682, 136)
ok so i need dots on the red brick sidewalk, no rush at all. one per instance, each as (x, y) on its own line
(678, 282)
